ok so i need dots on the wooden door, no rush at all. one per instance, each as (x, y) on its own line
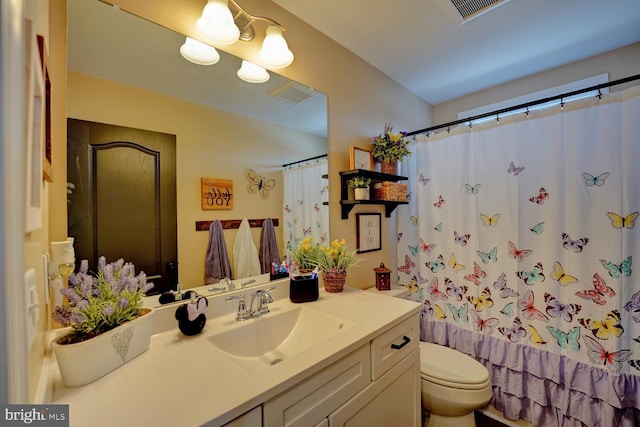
(122, 198)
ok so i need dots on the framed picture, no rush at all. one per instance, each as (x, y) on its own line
(360, 158)
(368, 232)
(47, 160)
(35, 135)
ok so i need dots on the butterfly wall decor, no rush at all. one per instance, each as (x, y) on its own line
(259, 184)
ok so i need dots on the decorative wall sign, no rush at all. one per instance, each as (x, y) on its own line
(360, 159)
(368, 230)
(216, 193)
(259, 184)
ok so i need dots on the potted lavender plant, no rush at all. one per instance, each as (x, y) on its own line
(106, 325)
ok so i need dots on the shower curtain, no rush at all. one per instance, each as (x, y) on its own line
(519, 239)
(305, 211)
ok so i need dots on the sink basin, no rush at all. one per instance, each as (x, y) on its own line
(267, 340)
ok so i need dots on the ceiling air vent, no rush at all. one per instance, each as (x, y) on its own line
(293, 93)
(472, 8)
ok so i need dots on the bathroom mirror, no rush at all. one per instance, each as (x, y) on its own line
(112, 45)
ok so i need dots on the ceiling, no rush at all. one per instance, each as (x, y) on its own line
(425, 45)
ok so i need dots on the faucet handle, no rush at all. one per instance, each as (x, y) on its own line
(241, 314)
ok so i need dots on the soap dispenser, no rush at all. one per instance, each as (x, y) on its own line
(192, 317)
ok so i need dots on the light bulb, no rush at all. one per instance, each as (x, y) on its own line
(275, 52)
(216, 23)
(199, 53)
(252, 73)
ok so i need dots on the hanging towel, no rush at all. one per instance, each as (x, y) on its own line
(245, 254)
(216, 265)
(268, 246)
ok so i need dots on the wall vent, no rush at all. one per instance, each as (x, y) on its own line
(293, 93)
(472, 8)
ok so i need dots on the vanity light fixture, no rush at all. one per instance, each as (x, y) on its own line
(225, 21)
(199, 53)
(252, 73)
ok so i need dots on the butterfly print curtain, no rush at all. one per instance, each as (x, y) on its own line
(519, 239)
(304, 210)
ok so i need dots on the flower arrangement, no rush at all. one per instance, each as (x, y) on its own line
(390, 146)
(98, 303)
(305, 255)
(359, 182)
(336, 257)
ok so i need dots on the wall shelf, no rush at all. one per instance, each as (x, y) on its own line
(347, 205)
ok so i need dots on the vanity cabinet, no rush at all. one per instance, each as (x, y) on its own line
(378, 381)
(252, 418)
(347, 205)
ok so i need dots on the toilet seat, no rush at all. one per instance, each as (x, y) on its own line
(451, 368)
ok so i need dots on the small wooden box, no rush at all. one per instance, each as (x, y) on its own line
(391, 191)
(383, 278)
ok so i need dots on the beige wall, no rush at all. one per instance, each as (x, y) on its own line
(619, 63)
(210, 143)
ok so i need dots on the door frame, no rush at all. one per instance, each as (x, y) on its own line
(14, 384)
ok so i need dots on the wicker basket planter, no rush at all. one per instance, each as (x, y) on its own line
(390, 191)
(334, 282)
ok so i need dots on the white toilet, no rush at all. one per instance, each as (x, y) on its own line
(454, 385)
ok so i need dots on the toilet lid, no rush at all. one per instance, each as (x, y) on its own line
(451, 366)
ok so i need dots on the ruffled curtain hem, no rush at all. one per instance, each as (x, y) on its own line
(543, 387)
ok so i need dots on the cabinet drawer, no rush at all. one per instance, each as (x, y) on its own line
(311, 400)
(393, 345)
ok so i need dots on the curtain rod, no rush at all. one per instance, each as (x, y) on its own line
(525, 105)
(304, 160)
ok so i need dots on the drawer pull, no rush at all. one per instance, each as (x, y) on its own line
(405, 340)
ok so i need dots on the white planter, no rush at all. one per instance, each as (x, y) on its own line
(361, 193)
(85, 362)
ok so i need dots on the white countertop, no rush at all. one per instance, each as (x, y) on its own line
(186, 381)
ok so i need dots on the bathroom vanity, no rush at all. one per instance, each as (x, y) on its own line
(347, 359)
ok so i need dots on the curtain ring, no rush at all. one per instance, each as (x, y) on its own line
(497, 118)
(526, 111)
(561, 103)
(599, 95)
(470, 124)
(448, 129)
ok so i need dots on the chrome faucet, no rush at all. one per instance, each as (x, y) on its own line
(227, 284)
(262, 296)
(241, 313)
